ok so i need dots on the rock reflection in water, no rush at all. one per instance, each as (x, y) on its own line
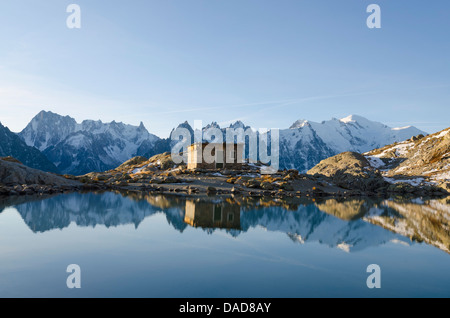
(420, 220)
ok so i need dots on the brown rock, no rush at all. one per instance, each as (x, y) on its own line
(13, 173)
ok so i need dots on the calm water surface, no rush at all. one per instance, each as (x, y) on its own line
(133, 245)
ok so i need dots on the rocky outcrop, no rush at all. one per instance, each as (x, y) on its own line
(12, 173)
(16, 178)
(350, 170)
(419, 161)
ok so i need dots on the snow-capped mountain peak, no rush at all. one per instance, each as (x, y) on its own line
(353, 119)
(238, 124)
(212, 125)
(306, 143)
(90, 146)
(46, 129)
(299, 124)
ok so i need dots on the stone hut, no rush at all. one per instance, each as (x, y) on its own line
(215, 156)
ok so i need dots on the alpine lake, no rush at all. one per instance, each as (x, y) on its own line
(130, 244)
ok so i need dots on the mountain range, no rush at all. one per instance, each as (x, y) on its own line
(90, 146)
(306, 143)
(94, 146)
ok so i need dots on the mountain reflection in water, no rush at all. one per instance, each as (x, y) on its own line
(351, 225)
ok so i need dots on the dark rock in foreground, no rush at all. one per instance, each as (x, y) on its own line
(18, 179)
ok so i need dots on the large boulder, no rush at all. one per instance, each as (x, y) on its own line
(14, 173)
(350, 170)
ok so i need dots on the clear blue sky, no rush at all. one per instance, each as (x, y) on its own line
(265, 62)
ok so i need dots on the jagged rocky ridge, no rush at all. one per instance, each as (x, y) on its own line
(90, 146)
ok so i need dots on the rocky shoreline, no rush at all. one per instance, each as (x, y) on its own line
(345, 175)
(288, 184)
